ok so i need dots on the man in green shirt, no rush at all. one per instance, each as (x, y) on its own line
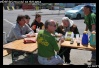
(90, 21)
(47, 45)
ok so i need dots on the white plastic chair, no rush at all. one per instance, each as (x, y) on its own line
(4, 38)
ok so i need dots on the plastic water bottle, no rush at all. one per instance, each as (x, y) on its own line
(93, 39)
(85, 38)
(37, 29)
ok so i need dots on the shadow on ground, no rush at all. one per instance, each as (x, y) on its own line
(93, 63)
(26, 61)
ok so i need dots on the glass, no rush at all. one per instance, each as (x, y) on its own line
(77, 36)
(77, 39)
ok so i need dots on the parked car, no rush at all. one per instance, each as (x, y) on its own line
(77, 11)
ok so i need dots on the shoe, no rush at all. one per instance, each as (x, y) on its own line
(68, 62)
(65, 64)
(92, 60)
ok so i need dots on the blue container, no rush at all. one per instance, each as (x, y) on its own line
(85, 39)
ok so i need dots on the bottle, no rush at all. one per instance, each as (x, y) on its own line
(37, 29)
(93, 39)
(85, 38)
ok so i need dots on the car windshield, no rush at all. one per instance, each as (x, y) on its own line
(77, 7)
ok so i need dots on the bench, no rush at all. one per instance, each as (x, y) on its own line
(6, 52)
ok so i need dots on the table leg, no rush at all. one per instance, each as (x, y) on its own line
(12, 54)
(31, 56)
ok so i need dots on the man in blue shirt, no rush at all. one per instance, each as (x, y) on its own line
(19, 30)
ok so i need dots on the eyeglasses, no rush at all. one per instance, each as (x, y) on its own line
(53, 25)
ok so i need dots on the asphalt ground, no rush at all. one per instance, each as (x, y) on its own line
(78, 57)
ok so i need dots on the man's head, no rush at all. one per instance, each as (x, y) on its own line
(21, 20)
(65, 21)
(38, 18)
(87, 9)
(50, 25)
(27, 19)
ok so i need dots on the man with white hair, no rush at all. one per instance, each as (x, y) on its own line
(67, 25)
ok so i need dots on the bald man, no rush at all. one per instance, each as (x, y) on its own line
(47, 45)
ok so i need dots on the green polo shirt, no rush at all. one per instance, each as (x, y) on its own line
(47, 45)
(89, 20)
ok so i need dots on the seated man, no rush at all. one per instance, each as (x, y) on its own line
(67, 25)
(47, 45)
(19, 30)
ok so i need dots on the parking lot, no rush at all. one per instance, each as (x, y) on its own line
(78, 57)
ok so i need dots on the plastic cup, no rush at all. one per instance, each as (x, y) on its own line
(77, 36)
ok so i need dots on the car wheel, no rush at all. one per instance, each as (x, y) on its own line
(78, 16)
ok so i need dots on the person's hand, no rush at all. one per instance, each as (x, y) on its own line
(52, 34)
(28, 35)
(33, 35)
(58, 34)
(63, 30)
(62, 40)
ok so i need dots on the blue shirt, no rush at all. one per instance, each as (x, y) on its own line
(18, 32)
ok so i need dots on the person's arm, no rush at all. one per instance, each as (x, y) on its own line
(86, 29)
(76, 31)
(41, 25)
(93, 22)
(62, 39)
(17, 33)
(29, 31)
(93, 27)
(55, 45)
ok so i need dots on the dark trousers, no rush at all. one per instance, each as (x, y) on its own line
(17, 53)
(64, 51)
(93, 55)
